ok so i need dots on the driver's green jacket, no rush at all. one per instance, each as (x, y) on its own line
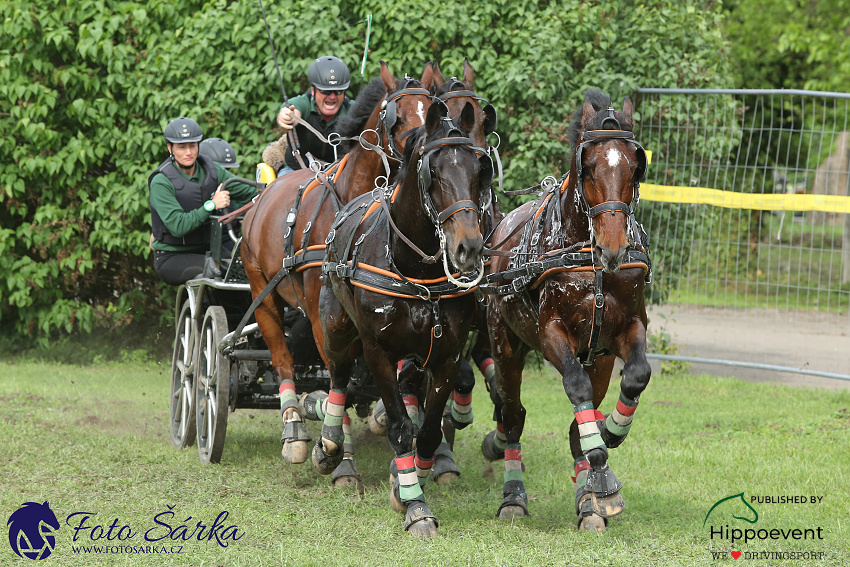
(180, 222)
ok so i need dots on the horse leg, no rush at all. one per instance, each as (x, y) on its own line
(601, 483)
(406, 493)
(588, 518)
(269, 316)
(493, 445)
(510, 361)
(636, 374)
(314, 406)
(442, 463)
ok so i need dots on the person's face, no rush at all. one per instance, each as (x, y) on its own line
(328, 102)
(185, 153)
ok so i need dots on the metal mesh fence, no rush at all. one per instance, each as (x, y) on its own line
(747, 201)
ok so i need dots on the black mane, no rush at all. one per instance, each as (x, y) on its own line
(352, 123)
(600, 101)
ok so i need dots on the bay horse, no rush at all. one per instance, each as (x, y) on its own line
(293, 216)
(458, 415)
(382, 291)
(573, 290)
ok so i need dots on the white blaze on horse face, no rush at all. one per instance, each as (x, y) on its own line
(613, 157)
(420, 111)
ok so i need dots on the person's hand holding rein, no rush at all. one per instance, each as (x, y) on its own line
(284, 117)
(221, 198)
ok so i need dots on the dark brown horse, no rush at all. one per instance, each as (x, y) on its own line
(293, 216)
(401, 294)
(455, 93)
(574, 291)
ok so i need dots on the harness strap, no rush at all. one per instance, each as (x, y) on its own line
(532, 274)
(388, 283)
(596, 329)
(457, 207)
(247, 316)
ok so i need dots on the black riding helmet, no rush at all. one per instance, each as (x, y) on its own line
(329, 73)
(220, 152)
(183, 130)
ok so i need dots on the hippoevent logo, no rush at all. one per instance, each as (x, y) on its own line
(31, 529)
(33, 526)
(734, 520)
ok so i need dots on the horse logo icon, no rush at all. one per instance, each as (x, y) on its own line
(737, 509)
(31, 529)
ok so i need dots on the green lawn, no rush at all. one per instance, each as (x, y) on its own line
(95, 439)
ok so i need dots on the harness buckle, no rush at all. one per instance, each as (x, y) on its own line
(519, 284)
(341, 270)
(438, 331)
(599, 300)
(288, 262)
(533, 269)
(330, 237)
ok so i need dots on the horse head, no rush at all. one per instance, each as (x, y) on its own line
(453, 180)
(609, 166)
(403, 108)
(457, 92)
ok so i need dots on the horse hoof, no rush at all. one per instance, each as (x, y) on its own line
(323, 462)
(294, 452)
(608, 506)
(378, 419)
(445, 470)
(346, 475)
(489, 450)
(512, 512)
(420, 522)
(592, 523)
(424, 529)
(446, 478)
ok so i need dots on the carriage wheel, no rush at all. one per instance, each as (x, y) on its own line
(212, 388)
(182, 406)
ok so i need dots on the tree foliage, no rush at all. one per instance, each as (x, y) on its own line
(87, 86)
(790, 44)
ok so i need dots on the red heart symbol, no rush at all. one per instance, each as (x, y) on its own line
(736, 554)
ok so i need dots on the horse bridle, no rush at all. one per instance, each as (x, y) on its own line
(389, 112)
(599, 136)
(454, 138)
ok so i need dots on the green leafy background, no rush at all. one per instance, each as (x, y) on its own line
(87, 86)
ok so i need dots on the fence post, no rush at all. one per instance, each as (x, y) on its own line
(845, 239)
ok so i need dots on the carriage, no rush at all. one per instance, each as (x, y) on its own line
(220, 361)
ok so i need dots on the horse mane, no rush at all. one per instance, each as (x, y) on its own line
(352, 123)
(599, 101)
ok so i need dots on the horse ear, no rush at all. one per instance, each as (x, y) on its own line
(467, 118)
(587, 113)
(427, 75)
(468, 74)
(387, 77)
(490, 119)
(436, 112)
(627, 121)
(438, 79)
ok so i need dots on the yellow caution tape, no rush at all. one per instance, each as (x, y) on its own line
(735, 200)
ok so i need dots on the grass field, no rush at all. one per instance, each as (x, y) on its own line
(95, 439)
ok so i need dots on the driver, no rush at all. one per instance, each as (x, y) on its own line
(320, 106)
(185, 190)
